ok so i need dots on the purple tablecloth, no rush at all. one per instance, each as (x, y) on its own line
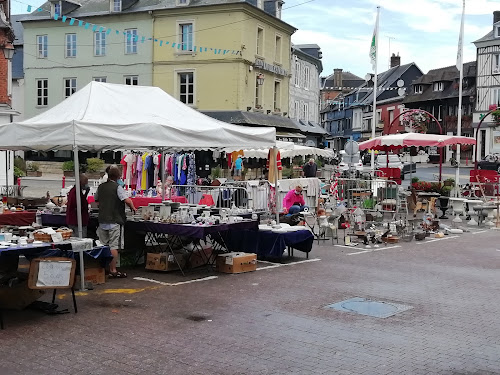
(188, 230)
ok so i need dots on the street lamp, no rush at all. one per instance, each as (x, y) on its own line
(8, 51)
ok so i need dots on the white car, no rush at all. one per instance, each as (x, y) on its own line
(394, 162)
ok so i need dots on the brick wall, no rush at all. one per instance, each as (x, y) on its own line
(4, 98)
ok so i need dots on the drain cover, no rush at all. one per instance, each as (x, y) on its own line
(364, 306)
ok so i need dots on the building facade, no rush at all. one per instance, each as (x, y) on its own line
(6, 112)
(488, 89)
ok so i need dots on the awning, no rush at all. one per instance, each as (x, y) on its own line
(290, 135)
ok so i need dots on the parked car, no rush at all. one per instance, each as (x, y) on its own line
(491, 162)
(395, 162)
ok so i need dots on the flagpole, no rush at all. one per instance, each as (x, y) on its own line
(374, 58)
(460, 66)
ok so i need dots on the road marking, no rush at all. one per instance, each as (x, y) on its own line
(345, 246)
(436, 239)
(373, 250)
(483, 231)
(176, 284)
(276, 265)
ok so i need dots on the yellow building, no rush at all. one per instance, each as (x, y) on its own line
(257, 79)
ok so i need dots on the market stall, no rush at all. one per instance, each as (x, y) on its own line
(104, 116)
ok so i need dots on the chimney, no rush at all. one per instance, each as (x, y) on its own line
(496, 16)
(395, 60)
(337, 77)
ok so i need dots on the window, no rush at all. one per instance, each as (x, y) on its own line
(130, 41)
(496, 64)
(132, 80)
(41, 43)
(307, 78)
(440, 113)
(438, 86)
(260, 4)
(277, 96)
(495, 96)
(117, 5)
(100, 43)
(42, 92)
(182, 2)
(497, 31)
(186, 36)
(258, 92)
(305, 111)
(260, 41)
(418, 89)
(297, 110)
(69, 87)
(277, 50)
(186, 87)
(297, 73)
(56, 7)
(391, 116)
(70, 50)
(99, 79)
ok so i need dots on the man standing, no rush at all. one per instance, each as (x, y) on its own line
(112, 199)
(238, 168)
(310, 169)
(71, 211)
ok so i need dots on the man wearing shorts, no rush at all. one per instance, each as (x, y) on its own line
(238, 168)
(112, 199)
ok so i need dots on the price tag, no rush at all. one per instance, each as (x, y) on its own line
(57, 237)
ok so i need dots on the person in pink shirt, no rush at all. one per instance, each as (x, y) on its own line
(294, 202)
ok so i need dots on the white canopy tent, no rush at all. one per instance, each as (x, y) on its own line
(287, 150)
(105, 116)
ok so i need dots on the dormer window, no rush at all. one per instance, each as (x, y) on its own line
(279, 7)
(438, 86)
(496, 31)
(260, 4)
(496, 64)
(182, 2)
(56, 8)
(116, 5)
(418, 89)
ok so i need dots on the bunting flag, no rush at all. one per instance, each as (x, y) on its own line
(136, 38)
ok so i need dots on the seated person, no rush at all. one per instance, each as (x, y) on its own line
(293, 202)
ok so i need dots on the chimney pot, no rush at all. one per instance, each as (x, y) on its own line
(395, 60)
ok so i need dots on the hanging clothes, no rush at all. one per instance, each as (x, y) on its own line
(138, 168)
(144, 175)
(150, 166)
(157, 161)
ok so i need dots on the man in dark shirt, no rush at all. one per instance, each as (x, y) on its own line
(71, 214)
(310, 169)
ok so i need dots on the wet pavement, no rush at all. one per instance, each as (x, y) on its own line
(274, 320)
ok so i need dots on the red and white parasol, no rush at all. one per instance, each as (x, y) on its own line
(395, 141)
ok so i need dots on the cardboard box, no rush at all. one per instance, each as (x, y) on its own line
(198, 259)
(95, 275)
(236, 262)
(164, 261)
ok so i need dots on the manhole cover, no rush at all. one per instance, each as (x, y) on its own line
(197, 318)
(364, 306)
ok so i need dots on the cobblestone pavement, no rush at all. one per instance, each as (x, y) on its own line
(273, 321)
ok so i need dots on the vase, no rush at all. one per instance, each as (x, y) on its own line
(443, 205)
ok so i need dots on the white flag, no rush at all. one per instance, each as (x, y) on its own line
(373, 46)
(460, 52)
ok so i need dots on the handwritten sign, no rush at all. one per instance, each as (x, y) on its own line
(52, 273)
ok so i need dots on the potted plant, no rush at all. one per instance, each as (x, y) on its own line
(33, 169)
(68, 168)
(216, 173)
(415, 180)
(449, 182)
(444, 199)
(95, 168)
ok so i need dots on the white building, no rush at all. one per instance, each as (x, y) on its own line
(488, 89)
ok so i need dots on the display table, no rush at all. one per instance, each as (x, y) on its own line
(269, 244)
(144, 201)
(181, 235)
(20, 218)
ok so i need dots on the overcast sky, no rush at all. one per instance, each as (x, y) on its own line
(423, 31)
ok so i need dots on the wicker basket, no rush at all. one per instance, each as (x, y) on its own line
(44, 237)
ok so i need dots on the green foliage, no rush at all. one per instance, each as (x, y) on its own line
(436, 187)
(18, 172)
(319, 163)
(414, 180)
(20, 163)
(68, 165)
(445, 190)
(287, 172)
(449, 182)
(95, 165)
(32, 166)
(216, 172)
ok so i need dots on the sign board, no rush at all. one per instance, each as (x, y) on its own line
(496, 141)
(351, 148)
(261, 64)
(52, 273)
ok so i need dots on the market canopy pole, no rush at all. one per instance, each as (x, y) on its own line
(79, 212)
(460, 67)
(374, 60)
